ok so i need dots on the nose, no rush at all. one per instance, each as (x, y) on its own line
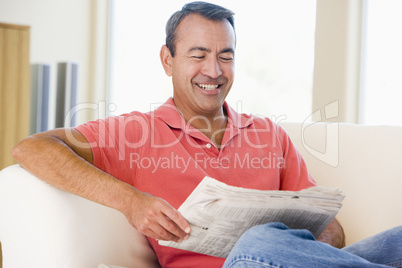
(212, 68)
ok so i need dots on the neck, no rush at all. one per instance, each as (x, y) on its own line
(211, 125)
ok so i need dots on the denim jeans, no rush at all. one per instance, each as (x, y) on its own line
(275, 245)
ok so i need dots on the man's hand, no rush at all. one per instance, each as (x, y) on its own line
(155, 218)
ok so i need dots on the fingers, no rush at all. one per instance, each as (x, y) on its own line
(156, 231)
(168, 230)
(171, 225)
(155, 218)
(177, 218)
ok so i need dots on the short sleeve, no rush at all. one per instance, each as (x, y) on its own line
(113, 140)
(294, 173)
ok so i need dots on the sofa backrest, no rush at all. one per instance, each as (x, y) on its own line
(365, 162)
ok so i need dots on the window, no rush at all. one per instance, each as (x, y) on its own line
(274, 56)
(382, 68)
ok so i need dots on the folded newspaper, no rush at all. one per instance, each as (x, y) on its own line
(219, 214)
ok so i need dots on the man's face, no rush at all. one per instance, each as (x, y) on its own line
(203, 67)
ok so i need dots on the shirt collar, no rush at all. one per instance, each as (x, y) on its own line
(170, 115)
(235, 119)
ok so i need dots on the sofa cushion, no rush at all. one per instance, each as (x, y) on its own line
(41, 226)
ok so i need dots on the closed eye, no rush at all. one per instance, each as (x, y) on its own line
(226, 59)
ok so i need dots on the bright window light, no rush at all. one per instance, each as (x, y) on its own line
(382, 83)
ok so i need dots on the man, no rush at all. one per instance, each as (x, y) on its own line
(145, 165)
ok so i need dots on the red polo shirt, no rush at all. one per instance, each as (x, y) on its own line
(160, 153)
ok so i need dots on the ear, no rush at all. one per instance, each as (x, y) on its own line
(166, 59)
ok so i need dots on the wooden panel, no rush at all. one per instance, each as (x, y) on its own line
(14, 88)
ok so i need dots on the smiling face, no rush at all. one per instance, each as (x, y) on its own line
(202, 69)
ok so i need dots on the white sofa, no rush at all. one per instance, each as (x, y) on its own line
(41, 226)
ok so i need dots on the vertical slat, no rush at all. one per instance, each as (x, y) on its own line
(11, 88)
(23, 77)
(15, 89)
(2, 97)
(23, 86)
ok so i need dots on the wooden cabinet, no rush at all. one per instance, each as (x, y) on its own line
(14, 88)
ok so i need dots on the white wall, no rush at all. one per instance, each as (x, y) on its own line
(64, 30)
(337, 59)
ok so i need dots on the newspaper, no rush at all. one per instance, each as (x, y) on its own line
(219, 214)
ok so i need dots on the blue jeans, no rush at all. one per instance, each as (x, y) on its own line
(275, 245)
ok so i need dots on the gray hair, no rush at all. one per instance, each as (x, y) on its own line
(207, 10)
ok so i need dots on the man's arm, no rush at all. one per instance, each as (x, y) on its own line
(63, 158)
(333, 234)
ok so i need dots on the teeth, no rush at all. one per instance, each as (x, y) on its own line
(208, 87)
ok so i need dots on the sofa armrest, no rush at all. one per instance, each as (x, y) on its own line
(41, 226)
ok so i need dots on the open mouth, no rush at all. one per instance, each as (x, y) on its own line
(208, 87)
